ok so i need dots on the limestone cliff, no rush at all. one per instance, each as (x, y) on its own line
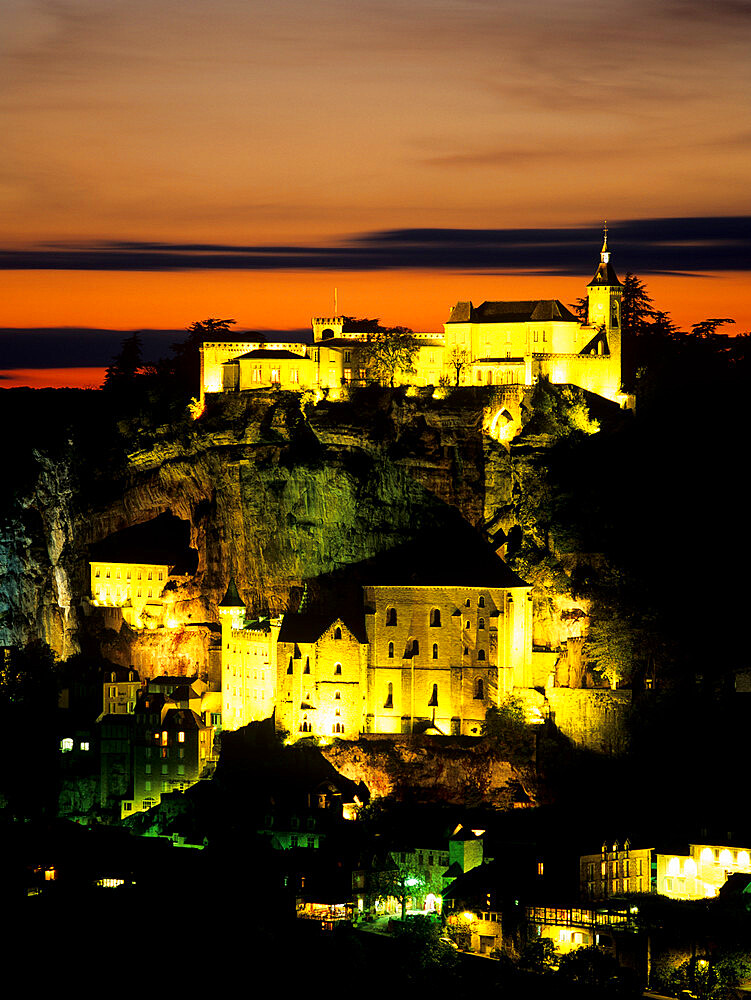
(277, 488)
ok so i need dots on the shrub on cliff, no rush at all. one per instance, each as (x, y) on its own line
(506, 731)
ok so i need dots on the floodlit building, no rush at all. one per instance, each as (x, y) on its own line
(428, 645)
(518, 342)
(702, 872)
(134, 572)
(495, 343)
(618, 870)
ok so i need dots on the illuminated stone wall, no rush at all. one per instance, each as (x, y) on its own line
(592, 718)
(320, 684)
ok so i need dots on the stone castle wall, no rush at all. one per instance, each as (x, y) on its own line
(592, 719)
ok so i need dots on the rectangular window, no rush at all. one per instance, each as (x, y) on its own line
(347, 357)
(347, 375)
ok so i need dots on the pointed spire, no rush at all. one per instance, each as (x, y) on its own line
(604, 275)
(232, 598)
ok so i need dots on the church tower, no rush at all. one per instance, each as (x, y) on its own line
(604, 297)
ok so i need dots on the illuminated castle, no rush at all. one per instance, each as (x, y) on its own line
(495, 343)
(424, 647)
(519, 342)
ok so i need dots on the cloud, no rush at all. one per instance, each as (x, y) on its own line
(86, 347)
(645, 246)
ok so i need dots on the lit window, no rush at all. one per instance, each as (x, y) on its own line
(66, 744)
(181, 737)
(84, 746)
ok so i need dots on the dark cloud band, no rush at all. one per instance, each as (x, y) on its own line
(645, 246)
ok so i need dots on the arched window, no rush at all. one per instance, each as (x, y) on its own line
(481, 623)
(289, 668)
(337, 668)
(435, 618)
(337, 633)
(466, 650)
(307, 665)
(391, 651)
(434, 696)
(391, 616)
(467, 603)
(480, 654)
(479, 689)
(480, 601)
(415, 648)
(389, 703)
(435, 650)
(338, 696)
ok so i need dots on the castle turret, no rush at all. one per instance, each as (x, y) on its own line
(231, 608)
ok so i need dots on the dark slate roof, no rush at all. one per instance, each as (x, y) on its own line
(464, 560)
(182, 718)
(309, 626)
(231, 599)
(264, 354)
(522, 311)
(163, 541)
(604, 275)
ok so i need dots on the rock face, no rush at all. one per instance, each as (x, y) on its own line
(277, 488)
(415, 769)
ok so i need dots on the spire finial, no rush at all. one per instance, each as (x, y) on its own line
(604, 253)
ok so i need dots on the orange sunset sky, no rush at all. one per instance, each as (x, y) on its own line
(166, 161)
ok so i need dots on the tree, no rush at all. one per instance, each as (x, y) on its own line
(636, 306)
(399, 881)
(459, 359)
(580, 309)
(505, 728)
(126, 365)
(707, 328)
(588, 967)
(390, 351)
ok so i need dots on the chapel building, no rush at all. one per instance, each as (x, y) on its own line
(423, 649)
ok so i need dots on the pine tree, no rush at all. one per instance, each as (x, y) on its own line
(126, 365)
(636, 306)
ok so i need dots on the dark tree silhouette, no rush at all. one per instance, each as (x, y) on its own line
(126, 365)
